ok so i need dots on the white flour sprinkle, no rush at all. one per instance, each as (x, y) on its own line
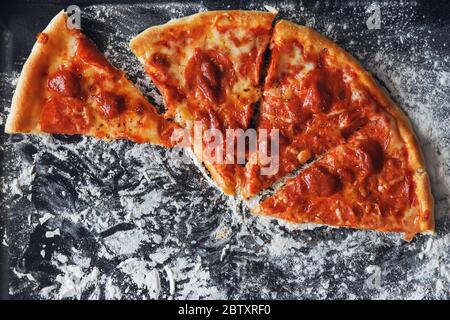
(171, 280)
(125, 242)
(51, 234)
(45, 218)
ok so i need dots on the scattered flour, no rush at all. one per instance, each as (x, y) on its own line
(51, 234)
(125, 242)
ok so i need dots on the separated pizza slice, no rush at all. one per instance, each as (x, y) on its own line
(207, 67)
(316, 95)
(68, 87)
(376, 181)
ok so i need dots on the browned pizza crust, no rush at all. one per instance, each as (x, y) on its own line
(140, 44)
(29, 95)
(317, 42)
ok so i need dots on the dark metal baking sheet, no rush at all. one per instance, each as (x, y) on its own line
(129, 215)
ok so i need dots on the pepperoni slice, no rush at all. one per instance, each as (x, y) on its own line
(67, 116)
(210, 72)
(65, 83)
(110, 105)
(322, 88)
(318, 181)
(370, 157)
(89, 54)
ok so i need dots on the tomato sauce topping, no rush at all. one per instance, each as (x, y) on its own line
(323, 88)
(160, 73)
(319, 182)
(89, 54)
(209, 73)
(111, 105)
(65, 115)
(209, 77)
(248, 62)
(313, 113)
(65, 83)
(75, 98)
(358, 184)
(371, 157)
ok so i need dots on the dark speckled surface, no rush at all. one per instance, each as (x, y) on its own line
(128, 212)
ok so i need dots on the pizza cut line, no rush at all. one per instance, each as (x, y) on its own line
(321, 99)
(207, 67)
(365, 183)
(364, 167)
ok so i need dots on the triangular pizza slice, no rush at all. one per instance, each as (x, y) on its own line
(316, 95)
(207, 67)
(375, 181)
(68, 87)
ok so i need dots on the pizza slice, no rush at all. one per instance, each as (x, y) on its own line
(376, 181)
(68, 87)
(207, 67)
(316, 95)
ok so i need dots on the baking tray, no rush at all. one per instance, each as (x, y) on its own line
(88, 219)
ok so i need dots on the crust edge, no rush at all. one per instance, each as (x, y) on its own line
(20, 118)
(138, 42)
